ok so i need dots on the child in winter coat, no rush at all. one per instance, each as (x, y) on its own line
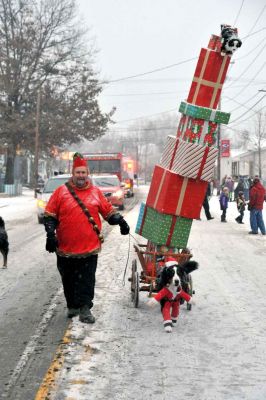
(224, 198)
(241, 205)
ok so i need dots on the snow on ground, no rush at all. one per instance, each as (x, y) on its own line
(217, 350)
(18, 207)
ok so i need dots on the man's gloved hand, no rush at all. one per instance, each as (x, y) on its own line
(51, 243)
(124, 228)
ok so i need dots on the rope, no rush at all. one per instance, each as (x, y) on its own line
(123, 281)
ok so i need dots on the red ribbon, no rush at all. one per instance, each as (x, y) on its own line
(204, 158)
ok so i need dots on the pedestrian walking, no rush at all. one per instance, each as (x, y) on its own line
(241, 205)
(239, 188)
(255, 206)
(229, 183)
(73, 225)
(205, 204)
(224, 198)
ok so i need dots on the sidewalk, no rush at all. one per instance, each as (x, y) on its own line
(17, 207)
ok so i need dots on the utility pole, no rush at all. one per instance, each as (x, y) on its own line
(137, 164)
(37, 135)
(219, 153)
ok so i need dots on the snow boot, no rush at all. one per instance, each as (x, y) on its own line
(72, 312)
(85, 315)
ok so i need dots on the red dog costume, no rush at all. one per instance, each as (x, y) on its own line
(169, 296)
(170, 309)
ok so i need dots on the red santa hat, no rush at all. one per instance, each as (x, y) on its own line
(171, 261)
(78, 161)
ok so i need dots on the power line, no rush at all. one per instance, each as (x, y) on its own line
(254, 33)
(241, 105)
(243, 120)
(249, 65)
(153, 71)
(146, 116)
(139, 94)
(251, 51)
(250, 109)
(252, 79)
(257, 20)
(234, 24)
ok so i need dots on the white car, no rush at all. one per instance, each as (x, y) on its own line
(44, 195)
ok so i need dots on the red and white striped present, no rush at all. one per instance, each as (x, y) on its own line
(169, 152)
(195, 161)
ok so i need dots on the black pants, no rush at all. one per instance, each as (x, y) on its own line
(240, 217)
(78, 278)
(206, 207)
(223, 216)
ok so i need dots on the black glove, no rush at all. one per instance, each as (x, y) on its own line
(117, 219)
(124, 228)
(51, 243)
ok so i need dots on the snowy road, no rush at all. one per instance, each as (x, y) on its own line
(217, 351)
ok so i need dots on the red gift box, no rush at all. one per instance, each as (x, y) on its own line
(208, 79)
(215, 43)
(195, 161)
(197, 130)
(169, 152)
(173, 194)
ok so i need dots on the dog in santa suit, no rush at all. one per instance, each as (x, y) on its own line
(171, 293)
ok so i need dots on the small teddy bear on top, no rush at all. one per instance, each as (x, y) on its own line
(230, 40)
(171, 292)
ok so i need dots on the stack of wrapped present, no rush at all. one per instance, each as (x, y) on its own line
(180, 181)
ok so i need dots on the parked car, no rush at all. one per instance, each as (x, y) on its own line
(109, 185)
(112, 189)
(43, 195)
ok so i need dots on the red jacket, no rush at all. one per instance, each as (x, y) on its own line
(74, 232)
(257, 196)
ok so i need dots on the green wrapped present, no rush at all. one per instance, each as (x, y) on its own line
(163, 229)
(208, 114)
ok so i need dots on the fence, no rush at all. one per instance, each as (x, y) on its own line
(14, 189)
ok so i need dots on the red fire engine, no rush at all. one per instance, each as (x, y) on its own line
(113, 163)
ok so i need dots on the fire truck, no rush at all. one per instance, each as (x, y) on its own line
(113, 163)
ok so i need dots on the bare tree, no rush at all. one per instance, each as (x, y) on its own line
(42, 49)
(259, 136)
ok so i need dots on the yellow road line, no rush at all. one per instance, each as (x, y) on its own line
(49, 380)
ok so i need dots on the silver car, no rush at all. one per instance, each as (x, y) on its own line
(44, 195)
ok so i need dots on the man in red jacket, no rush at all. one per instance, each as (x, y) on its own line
(256, 200)
(76, 237)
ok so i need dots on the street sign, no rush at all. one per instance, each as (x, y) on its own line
(225, 148)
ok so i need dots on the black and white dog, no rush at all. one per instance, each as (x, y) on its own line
(4, 245)
(230, 40)
(171, 291)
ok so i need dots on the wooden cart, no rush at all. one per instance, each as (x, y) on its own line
(151, 259)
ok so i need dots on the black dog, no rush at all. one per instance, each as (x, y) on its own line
(3, 242)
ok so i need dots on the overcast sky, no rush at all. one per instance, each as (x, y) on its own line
(135, 37)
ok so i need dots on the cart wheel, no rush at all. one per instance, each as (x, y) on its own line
(190, 291)
(136, 291)
(132, 279)
(134, 284)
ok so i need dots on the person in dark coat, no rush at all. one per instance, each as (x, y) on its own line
(239, 188)
(241, 205)
(224, 198)
(229, 183)
(256, 200)
(205, 204)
